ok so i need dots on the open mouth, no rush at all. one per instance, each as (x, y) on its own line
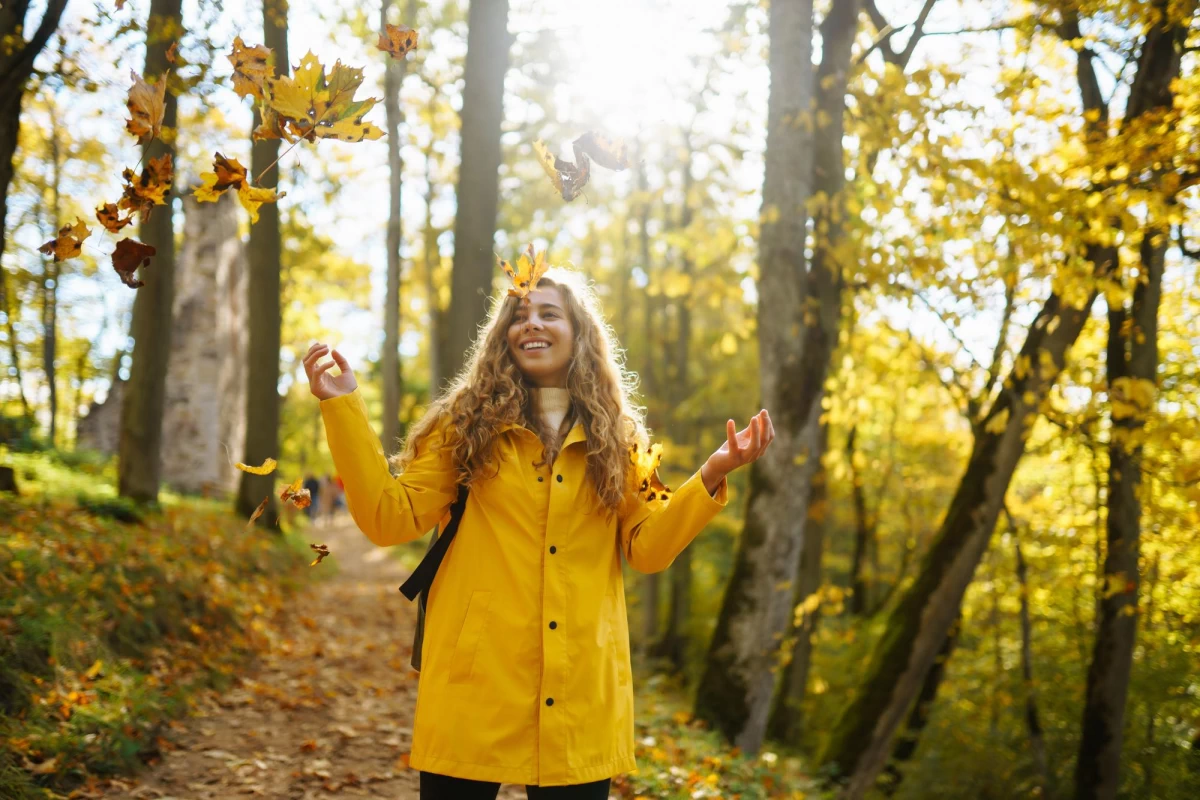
(535, 346)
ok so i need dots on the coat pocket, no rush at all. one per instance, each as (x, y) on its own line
(468, 637)
(618, 639)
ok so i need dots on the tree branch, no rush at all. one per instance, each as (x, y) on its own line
(21, 65)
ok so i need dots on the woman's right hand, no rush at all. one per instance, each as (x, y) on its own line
(323, 385)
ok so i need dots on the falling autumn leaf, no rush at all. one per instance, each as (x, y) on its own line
(258, 512)
(150, 189)
(531, 267)
(251, 68)
(129, 255)
(299, 497)
(397, 40)
(228, 173)
(608, 153)
(322, 551)
(645, 463)
(547, 159)
(111, 218)
(266, 468)
(173, 53)
(146, 106)
(312, 105)
(68, 243)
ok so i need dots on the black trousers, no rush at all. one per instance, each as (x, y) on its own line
(443, 787)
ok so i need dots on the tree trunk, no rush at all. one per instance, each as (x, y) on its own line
(437, 321)
(918, 718)
(787, 720)
(10, 312)
(862, 534)
(736, 692)
(1132, 356)
(389, 362)
(488, 42)
(1037, 740)
(16, 65)
(51, 271)
(264, 262)
(140, 447)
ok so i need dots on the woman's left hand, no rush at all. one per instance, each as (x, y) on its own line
(740, 448)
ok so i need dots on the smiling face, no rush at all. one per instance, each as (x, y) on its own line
(541, 338)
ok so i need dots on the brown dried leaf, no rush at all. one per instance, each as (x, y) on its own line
(258, 512)
(322, 551)
(110, 217)
(251, 68)
(608, 153)
(297, 496)
(146, 106)
(151, 187)
(129, 255)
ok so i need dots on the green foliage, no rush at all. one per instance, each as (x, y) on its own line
(680, 758)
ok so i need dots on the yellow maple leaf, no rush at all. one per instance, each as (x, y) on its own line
(228, 173)
(313, 105)
(646, 461)
(266, 468)
(531, 267)
(68, 243)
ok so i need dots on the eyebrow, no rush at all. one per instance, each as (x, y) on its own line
(522, 308)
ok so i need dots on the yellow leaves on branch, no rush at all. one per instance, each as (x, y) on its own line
(1131, 398)
(68, 243)
(531, 267)
(228, 173)
(397, 40)
(146, 106)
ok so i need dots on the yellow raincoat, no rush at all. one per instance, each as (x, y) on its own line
(525, 674)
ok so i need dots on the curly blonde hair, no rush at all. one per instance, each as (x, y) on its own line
(491, 391)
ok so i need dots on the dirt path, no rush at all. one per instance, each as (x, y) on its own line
(326, 713)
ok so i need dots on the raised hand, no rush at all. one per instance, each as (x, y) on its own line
(323, 385)
(740, 448)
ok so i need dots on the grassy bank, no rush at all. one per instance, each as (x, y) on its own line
(112, 618)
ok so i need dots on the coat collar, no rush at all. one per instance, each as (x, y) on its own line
(576, 434)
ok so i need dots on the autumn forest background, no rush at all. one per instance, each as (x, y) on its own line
(951, 245)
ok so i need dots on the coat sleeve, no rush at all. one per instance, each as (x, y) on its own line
(389, 510)
(654, 533)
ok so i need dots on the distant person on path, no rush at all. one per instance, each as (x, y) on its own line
(526, 674)
(314, 493)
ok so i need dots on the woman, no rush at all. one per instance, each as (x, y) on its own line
(526, 675)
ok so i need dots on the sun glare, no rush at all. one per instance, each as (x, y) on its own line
(632, 72)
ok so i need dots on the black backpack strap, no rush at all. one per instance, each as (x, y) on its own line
(422, 577)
